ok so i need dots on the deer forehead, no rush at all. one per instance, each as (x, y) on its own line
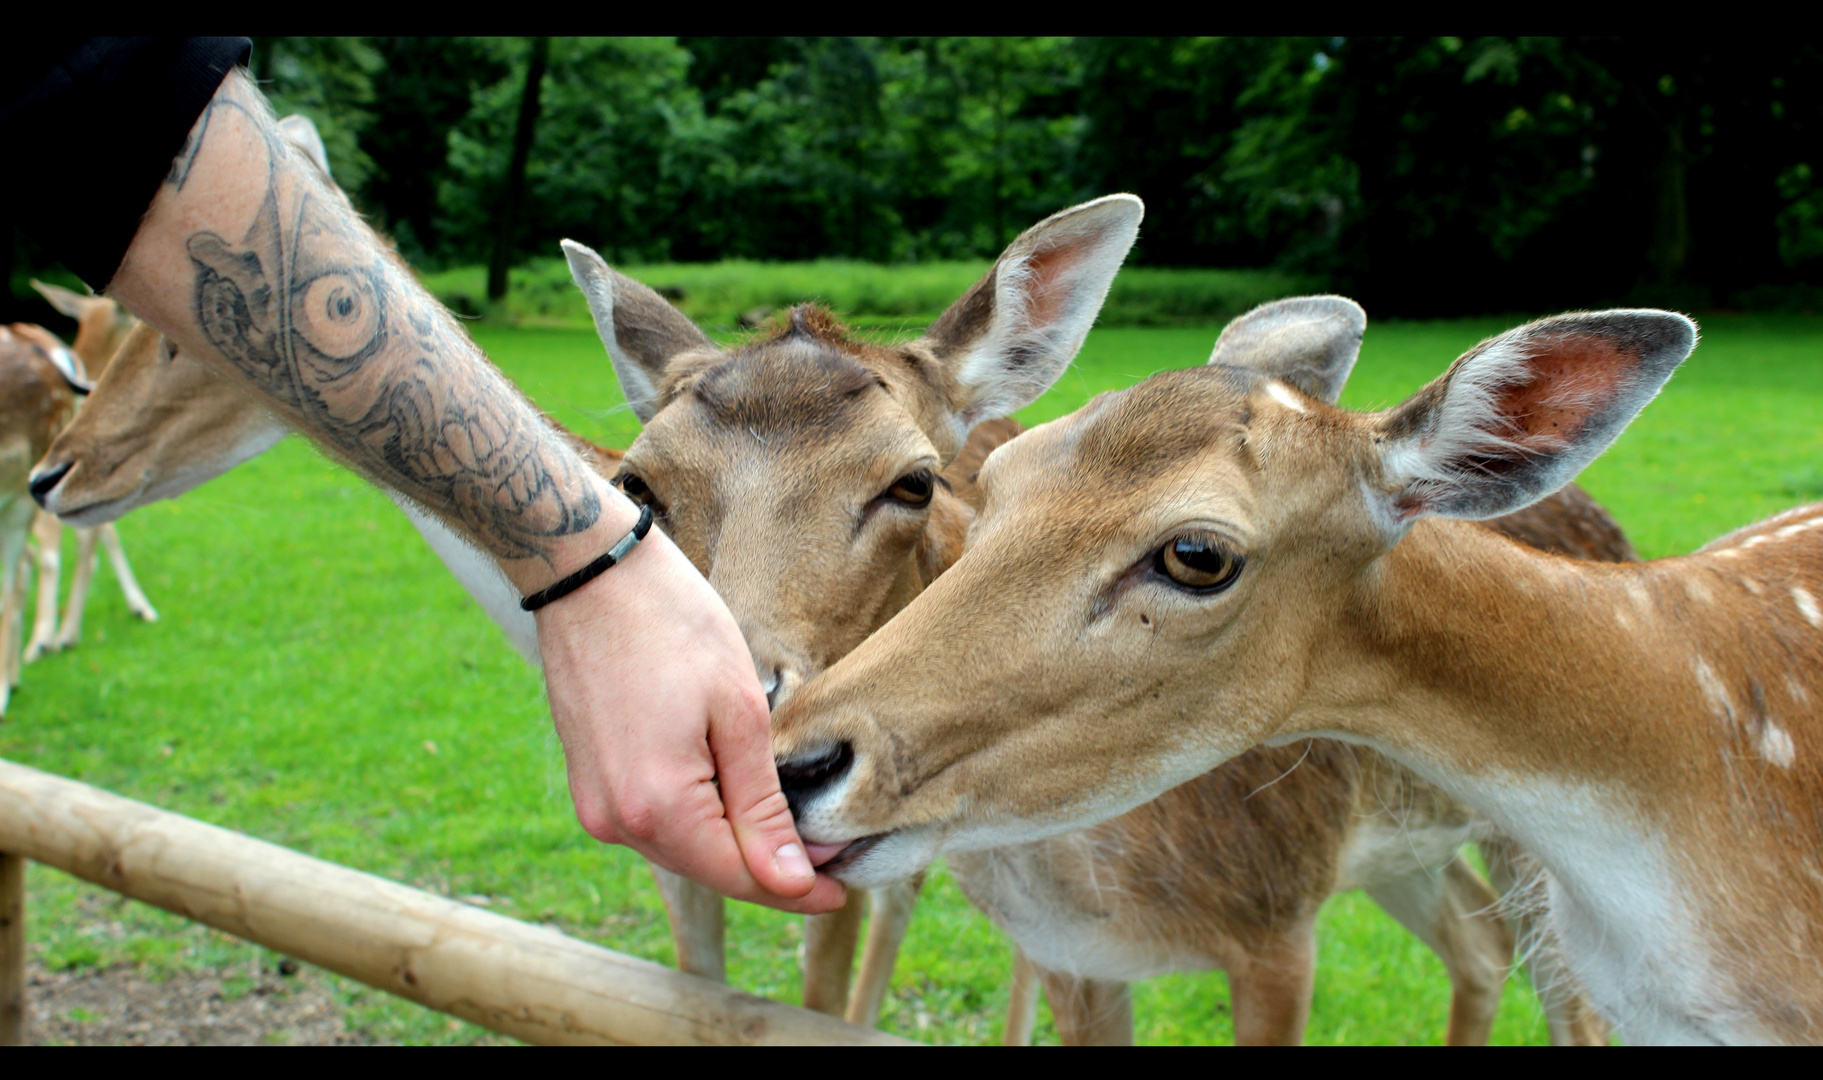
(1213, 443)
(784, 412)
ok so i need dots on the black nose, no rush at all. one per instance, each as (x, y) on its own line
(802, 780)
(43, 482)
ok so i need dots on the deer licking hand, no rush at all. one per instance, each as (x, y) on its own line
(733, 468)
(1217, 559)
(796, 469)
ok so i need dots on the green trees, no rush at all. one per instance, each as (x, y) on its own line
(1425, 175)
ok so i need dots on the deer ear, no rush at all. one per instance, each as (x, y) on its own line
(1519, 415)
(68, 302)
(1016, 330)
(640, 328)
(1310, 342)
(301, 133)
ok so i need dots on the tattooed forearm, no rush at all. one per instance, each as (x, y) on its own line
(311, 306)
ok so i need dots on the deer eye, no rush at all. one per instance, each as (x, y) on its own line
(1199, 563)
(636, 489)
(913, 489)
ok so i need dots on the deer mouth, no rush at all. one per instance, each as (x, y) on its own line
(95, 513)
(831, 858)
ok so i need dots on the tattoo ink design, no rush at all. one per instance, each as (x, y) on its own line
(186, 157)
(309, 305)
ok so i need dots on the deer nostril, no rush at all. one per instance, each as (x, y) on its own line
(804, 779)
(42, 483)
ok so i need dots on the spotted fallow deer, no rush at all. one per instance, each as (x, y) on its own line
(796, 471)
(161, 422)
(101, 327)
(1216, 559)
(36, 400)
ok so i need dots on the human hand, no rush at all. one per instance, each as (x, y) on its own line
(656, 702)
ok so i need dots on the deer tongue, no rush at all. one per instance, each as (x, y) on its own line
(822, 853)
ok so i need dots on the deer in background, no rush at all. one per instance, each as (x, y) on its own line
(38, 387)
(101, 327)
(1216, 559)
(160, 422)
(797, 472)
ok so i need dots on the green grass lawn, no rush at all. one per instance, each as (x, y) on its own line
(319, 681)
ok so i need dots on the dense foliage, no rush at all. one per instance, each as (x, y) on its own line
(1425, 175)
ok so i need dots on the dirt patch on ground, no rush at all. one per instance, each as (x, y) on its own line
(118, 1006)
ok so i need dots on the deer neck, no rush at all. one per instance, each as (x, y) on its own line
(1647, 729)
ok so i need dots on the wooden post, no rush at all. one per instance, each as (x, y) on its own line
(12, 949)
(526, 981)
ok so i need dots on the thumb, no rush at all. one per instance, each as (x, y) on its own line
(740, 740)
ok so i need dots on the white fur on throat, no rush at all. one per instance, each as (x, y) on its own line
(480, 575)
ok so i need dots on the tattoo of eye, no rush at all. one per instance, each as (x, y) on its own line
(310, 307)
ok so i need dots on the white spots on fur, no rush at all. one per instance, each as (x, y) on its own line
(1796, 512)
(1753, 586)
(1728, 553)
(1714, 692)
(1620, 617)
(1696, 590)
(1755, 541)
(1284, 395)
(1802, 526)
(1776, 746)
(1796, 689)
(1642, 600)
(1807, 606)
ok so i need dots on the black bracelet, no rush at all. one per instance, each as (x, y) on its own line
(595, 569)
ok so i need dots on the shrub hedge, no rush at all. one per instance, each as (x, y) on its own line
(723, 295)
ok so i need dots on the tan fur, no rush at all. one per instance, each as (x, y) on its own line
(101, 324)
(765, 463)
(35, 401)
(1650, 730)
(764, 452)
(102, 329)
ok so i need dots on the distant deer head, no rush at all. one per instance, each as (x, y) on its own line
(800, 471)
(160, 421)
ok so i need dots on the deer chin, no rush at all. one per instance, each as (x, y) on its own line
(98, 513)
(94, 512)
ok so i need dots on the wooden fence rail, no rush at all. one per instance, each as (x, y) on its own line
(526, 981)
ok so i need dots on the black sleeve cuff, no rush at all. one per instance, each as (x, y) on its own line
(94, 124)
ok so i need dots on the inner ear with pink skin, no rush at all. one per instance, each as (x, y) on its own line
(1017, 329)
(1519, 415)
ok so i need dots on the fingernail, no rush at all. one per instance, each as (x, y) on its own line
(793, 863)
